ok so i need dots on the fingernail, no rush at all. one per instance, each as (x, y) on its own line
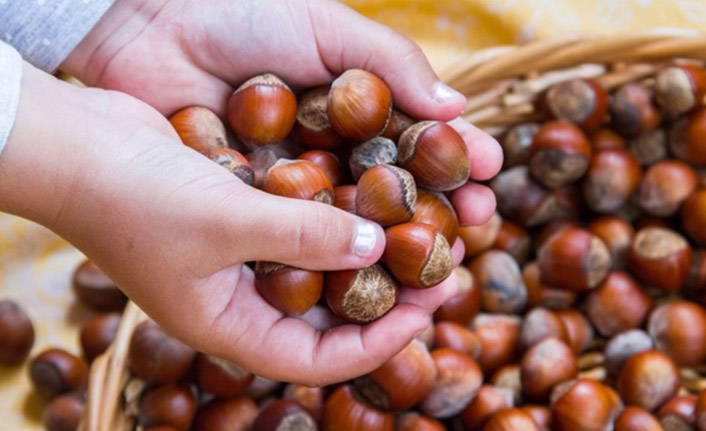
(365, 238)
(445, 94)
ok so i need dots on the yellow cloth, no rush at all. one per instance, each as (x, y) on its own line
(35, 266)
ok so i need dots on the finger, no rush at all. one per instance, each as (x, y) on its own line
(474, 204)
(321, 318)
(301, 233)
(430, 299)
(458, 250)
(484, 151)
(348, 40)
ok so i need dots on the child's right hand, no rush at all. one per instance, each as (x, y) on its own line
(108, 173)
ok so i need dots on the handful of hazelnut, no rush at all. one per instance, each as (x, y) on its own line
(343, 145)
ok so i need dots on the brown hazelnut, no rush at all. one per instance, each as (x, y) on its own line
(499, 279)
(680, 88)
(263, 158)
(499, 335)
(579, 332)
(545, 365)
(63, 413)
(632, 111)
(453, 336)
(311, 398)
(386, 195)
(417, 255)
(262, 110)
(299, 179)
(665, 186)
(680, 408)
(344, 198)
(617, 234)
(677, 328)
(541, 415)
(458, 378)
(327, 162)
(700, 411)
(413, 421)
(312, 125)
(173, 405)
(465, 305)
(623, 346)
(235, 163)
(515, 240)
(560, 154)
(573, 259)
(288, 289)
(219, 377)
(97, 334)
(346, 410)
(402, 381)
(233, 414)
(584, 405)
(399, 122)
(478, 239)
(634, 418)
(156, 356)
(583, 102)
(606, 139)
(489, 400)
(377, 151)
(613, 177)
(618, 304)
(649, 147)
(359, 105)
(55, 372)
(94, 289)
(200, 129)
(434, 209)
(509, 377)
(510, 419)
(16, 333)
(435, 154)
(360, 296)
(540, 324)
(261, 388)
(284, 415)
(543, 295)
(648, 379)
(660, 258)
(696, 283)
(517, 142)
(694, 216)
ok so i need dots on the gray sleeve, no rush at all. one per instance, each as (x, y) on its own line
(10, 81)
(46, 31)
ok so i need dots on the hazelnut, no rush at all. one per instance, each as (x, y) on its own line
(618, 304)
(311, 398)
(517, 142)
(613, 177)
(541, 294)
(284, 415)
(499, 335)
(219, 377)
(677, 328)
(465, 305)
(632, 111)
(399, 122)
(94, 289)
(648, 379)
(288, 289)
(541, 415)
(623, 346)
(665, 186)
(510, 419)
(573, 259)
(660, 258)
(694, 216)
(377, 151)
(515, 240)
(478, 239)
(327, 162)
(260, 388)
(453, 336)
(435, 154)
(312, 125)
(55, 372)
(16, 333)
(262, 110)
(509, 377)
(235, 163)
(678, 89)
(63, 413)
(499, 279)
(680, 408)
(344, 198)
(299, 179)
(606, 139)
(413, 421)
(560, 154)
(458, 378)
(584, 405)
(545, 365)
(233, 414)
(360, 296)
(359, 105)
(538, 325)
(386, 195)
(417, 255)
(634, 418)
(346, 410)
(98, 333)
(649, 147)
(172, 405)
(583, 102)
(402, 381)
(617, 234)
(434, 209)
(200, 129)
(489, 400)
(579, 333)
(700, 411)
(156, 356)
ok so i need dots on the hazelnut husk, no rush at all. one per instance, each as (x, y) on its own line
(677, 328)
(583, 102)
(312, 125)
(660, 258)
(200, 129)
(235, 163)
(417, 255)
(290, 290)
(98, 333)
(16, 333)
(299, 179)
(55, 372)
(284, 415)
(648, 379)
(435, 154)
(560, 154)
(172, 405)
(346, 410)
(359, 105)
(377, 151)
(233, 414)
(362, 295)
(386, 195)
(156, 356)
(458, 378)
(499, 279)
(94, 289)
(262, 110)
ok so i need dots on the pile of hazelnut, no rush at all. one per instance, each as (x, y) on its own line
(581, 301)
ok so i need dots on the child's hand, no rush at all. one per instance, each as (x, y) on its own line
(177, 53)
(173, 229)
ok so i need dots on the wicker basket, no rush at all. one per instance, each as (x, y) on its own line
(502, 83)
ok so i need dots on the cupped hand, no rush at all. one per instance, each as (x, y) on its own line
(177, 53)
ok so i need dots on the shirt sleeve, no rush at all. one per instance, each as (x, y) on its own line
(46, 31)
(10, 81)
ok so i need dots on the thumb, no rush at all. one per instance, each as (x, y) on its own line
(348, 40)
(304, 234)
